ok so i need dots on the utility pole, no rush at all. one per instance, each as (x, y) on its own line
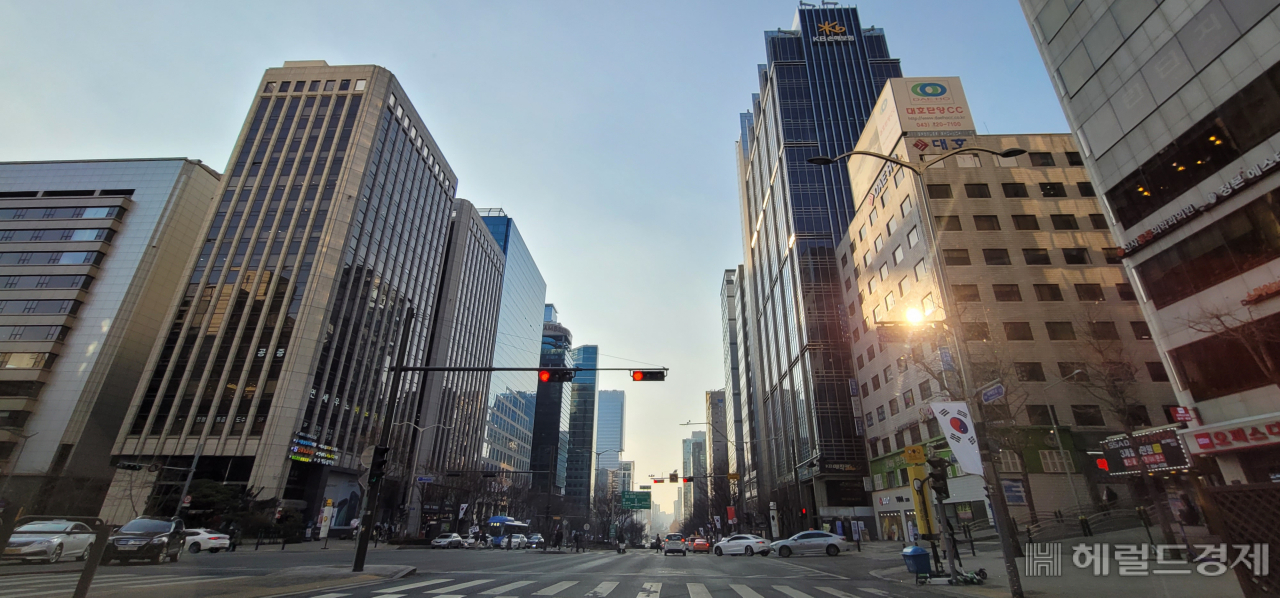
(191, 472)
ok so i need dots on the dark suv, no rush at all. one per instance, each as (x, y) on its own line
(147, 538)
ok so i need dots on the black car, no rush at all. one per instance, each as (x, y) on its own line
(536, 541)
(147, 538)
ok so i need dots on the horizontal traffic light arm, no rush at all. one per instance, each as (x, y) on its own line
(409, 368)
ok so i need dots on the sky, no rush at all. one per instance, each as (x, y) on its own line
(605, 129)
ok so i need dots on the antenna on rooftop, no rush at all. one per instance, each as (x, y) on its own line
(808, 5)
(826, 3)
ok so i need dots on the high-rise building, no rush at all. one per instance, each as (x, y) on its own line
(816, 94)
(619, 479)
(513, 395)
(734, 412)
(1174, 107)
(316, 250)
(694, 450)
(677, 516)
(580, 474)
(80, 309)
(611, 415)
(718, 452)
(751, 515)
(550, 451)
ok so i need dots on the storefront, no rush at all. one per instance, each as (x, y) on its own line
(1247, 450)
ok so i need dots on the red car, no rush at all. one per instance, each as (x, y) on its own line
(700, 545)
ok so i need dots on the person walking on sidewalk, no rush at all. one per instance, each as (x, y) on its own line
(559, 537)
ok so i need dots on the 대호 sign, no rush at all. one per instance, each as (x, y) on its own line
(932, 106)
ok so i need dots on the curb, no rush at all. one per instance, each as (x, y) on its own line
(949, 590)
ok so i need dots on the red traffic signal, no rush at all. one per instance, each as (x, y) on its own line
(556, 375)
(686, 480)
(804, 511)
(649, 375)
(1103, 465)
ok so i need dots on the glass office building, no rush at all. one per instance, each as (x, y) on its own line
(816, 94)
(579, 477)
(551, 413)
(326, 230)
(611, 412)
(513, 395)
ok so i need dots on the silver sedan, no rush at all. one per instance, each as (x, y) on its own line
(50, 541)
(811, 542)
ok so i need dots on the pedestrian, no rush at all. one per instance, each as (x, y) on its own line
(657, 543)
(235, 539)
(577, 542)
(559, 537)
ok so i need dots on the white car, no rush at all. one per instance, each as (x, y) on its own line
(742, 544)
(50, 541)
(675, 543)
(517, 541)
(811, 542)
(206, 539)
(447, 541)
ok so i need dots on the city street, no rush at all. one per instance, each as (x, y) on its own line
(484, 573)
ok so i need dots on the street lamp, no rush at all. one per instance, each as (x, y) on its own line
(995, 490)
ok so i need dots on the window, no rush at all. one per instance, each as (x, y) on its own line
(1025, 222)
(1029, 371)
(1041, 415)
(1053, 190)
(1156, 370)
(270, 88)
(939, 191)
(921, 270)
(968, 161)
(1068, 369)
(315, 86)
(904, 285)
(1098, 221)
(880, 409)
(898, 255)
(1076, 256)
(1141, 330)
(884, 445)
(1056, 461)
(1105, 331)
(897, 176)
(986, 222)
(328, 85)
(848, 284)
(861, 362)
(966, 293)
(891, 226)
(955, 257)
(913, 236)
(844, 260)
(1064, 222)
(907, 207)
(927, 305)
(889, 301)
(1041, 158)
(977, 190)
(948, 222)
(360, 83)
(888, 377)
(996, 257)
(1008, 462)
(1060, 331)
(862, 233)
(873, 216)
(879, 244)
(1007, 292)
(1073, 159)
(1112, 255)
(866, 259)
(909, 399)
(884, 271)
(1086, 190)
(1014, 190)
(865, 327)
(871, 353)
(1088, 415)
(1126, 292)
(1010, 162)
(1036, 257)
(1048, 292)
(1090, 292)
(1018, 331)
(875, 452)
(976, 331)
(876, 315)
(926, 393)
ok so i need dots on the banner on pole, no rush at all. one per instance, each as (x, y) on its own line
(957, 424)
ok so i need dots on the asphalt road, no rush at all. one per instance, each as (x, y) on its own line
(483, 574)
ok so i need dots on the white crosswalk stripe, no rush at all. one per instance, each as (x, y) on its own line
(420, 584)
(219, 578)
(331, 595)
(836, 593)
(874, 591)
(792, 592)
(650, 590)
(67, 583)
(744, 591)
(602, 590)
(501, 590)
(697, 590)
(555, 588)
(458, 586)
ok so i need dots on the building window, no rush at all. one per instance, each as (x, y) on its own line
(926, 390)
(1112, 255)
(904, 285)
(1073, 159)
(871, 353)
(913, 236)
(1064, 222)
(329, 85)
(898, 255)
(861, 362)
(844, 260)
(966, 293)
(1105, 331)
(1125, 290)
(939, 191)
(968, 161)
(986, 222)
(1014, 190)
(873, 216)
(1156, 370)
(862, 233)
(876, 315)
(893, 407)
(955, 257)
(1025, 222)
(866, 259)
(848, 284)
(976, 331)
(907, 207)
(909, 399)
(270, 88)
(921, 270)
(1036, 257)
(1053, 190)
(875, 381)
(891, 226)
(884, 271)
(1029, 371)
(1007, 292)
(1041, 158)
(1076, 256)
(1056, 461)
(1090, 292)
(1009, 462)
(1060, 331)
(1069, 369)
(875, 452)
(977, 190)
(879, 242)
(1018, 331)
(948, 223)
(927, 305)
(1141, 330)
(360, 84)
(1086, 190)
(1041, 415)
(889, 302)
(996, 257)
(1087, 415)
(344, 85)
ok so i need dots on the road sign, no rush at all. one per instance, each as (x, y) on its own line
(636, 500)
(586, 526)
(992, 394)
(913, 454)
(645, 486)
(426, 479)
(733, 477)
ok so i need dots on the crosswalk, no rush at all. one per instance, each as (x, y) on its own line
(62, 584)
(639, 588)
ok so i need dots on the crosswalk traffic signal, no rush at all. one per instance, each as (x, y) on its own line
(379, 464)
(649, 375)
(938, 477)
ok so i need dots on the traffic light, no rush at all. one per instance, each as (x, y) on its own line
(556, 375)
(938, 477)
(379, 464)
(649, 375)
(686, 480)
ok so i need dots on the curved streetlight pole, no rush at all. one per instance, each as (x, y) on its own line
(995, 491)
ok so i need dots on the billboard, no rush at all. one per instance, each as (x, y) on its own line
(931, 106)
(1160, 448)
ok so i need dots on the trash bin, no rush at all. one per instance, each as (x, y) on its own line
(917, 560)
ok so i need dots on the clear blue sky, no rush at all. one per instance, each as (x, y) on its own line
(605, 129)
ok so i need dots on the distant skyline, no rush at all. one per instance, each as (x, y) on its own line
(605, 129)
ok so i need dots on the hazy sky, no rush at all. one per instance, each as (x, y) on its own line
(605, 129)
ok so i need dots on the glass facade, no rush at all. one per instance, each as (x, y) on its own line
(611, 417)
(694, 465)
(580, 473)
(551, 414)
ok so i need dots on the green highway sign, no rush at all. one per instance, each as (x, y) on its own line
(636, 500)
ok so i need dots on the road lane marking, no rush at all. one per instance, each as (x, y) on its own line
(500, 589)
(650, 590)
(458, 586)
(874, 591)
(429, 582)
(836, 593)
(192, 580)
(602, 590)
(697, 590)
(792, 592)
(333, 595)
(63, 590)
(53, 578)
(554, 588)
(744, 591)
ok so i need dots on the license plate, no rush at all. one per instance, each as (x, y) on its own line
(126, 547)
(13, 551)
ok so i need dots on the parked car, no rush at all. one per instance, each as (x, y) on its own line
(700, 545)
(675, 543)
(742, 544)
(537, 541)
(50, 541)
(147, 538)
(469, 542)
(206, 539)
(811, 542)
(518, 541)
(447, 541)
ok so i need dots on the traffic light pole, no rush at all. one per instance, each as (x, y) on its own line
(367, 518)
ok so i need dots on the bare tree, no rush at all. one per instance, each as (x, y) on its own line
(1260, 337)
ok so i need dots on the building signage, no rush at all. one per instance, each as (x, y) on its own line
(1242, 434)
(992, 394)
(931, 107)
(881, 181)
(1182, 414)
(304, 448)
(1159, 448)
(1262, 293)
(832, 31)
(1014, 492)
